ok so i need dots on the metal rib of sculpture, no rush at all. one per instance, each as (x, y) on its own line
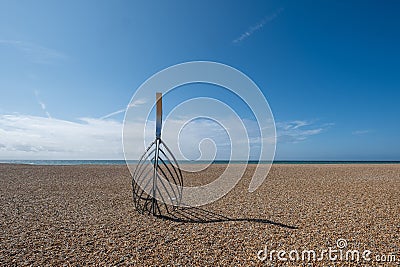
(157, 180)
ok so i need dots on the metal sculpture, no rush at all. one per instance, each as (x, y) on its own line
(157, 180)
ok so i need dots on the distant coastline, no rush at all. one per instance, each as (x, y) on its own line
(122, 162)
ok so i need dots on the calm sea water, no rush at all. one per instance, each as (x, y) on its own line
(122, 162)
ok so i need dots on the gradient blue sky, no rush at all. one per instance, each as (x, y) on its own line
(330, 70)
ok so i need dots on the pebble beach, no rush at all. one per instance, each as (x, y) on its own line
(84, 216)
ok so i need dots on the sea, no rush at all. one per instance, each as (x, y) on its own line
(123, 162)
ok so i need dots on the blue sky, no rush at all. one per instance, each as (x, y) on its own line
(329, 70)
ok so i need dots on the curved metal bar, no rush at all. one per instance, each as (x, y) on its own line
(142, 162)
(173, 167)
(166, 190)
(141, 158)
(162, 197)
(171, 175)
(175, 161)
(137, 187)
(156, 174)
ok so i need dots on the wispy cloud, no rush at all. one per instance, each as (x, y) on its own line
(298, 130)
(33, 137)
(42, 105)
(35, 52)
(134, 104)
(252, 29)
(361, 132)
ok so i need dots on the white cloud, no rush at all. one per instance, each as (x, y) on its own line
(134, 104)
(42, 105)
(113, 114)
(298, 130)
(251, 30)
(35, 52)
(361, 132)
(200, 139)
(31, 137)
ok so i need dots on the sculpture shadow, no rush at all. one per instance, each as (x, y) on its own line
(199, 215)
